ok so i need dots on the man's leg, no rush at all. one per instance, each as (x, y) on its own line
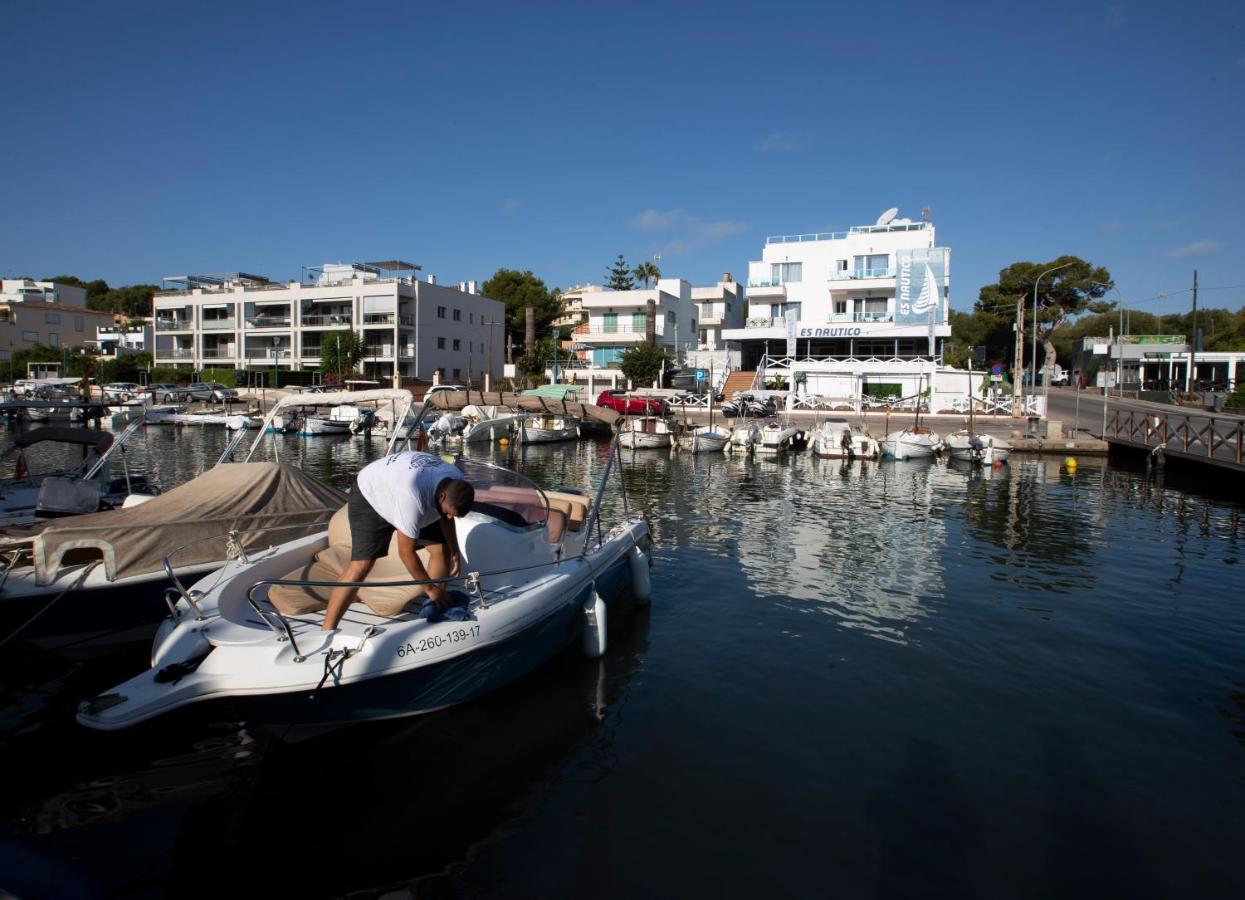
(341, 597)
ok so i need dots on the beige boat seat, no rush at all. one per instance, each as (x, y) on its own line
(567, 512)
(328, 565)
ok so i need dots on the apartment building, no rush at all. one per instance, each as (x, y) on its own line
(617, 320)
(718, 308)
(410, 327)
(43, 312)
(846, 308)
(124, 336)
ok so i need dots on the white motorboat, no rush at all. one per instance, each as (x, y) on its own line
(744, 438)
(537, 577)
(487, 423)
(983, 449)
(646, 433)
(841, 439)
(545, 428)
(702, 439)
(37, 491)
(778, 436)
(916, 442)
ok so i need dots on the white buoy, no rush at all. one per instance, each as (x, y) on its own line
(641, 580)
(594, 625)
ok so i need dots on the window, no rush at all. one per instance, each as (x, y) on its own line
(875, 265)
(840, 307)
(440, 312)
(32, 336)
(53, 339)
(670, 317)
(458, 315)
(77, 323)
(458, 345)
(610, 323)
(639, 321)
(471, 318)
(441, 372)
(841, 265)
(458, 374)
(470, 347)
(440, 343)
(52, 318)
(787, 272)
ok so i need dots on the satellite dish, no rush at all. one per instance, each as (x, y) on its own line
(888, 216)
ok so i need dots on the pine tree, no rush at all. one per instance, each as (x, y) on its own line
(619, 276)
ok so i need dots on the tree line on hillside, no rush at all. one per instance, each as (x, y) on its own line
(132, 299)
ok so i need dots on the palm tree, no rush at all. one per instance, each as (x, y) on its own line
(646, 271)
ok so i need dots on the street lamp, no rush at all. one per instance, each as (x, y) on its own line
(1033, 362)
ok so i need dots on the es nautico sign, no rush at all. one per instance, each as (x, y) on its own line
(832, 331)
(920, 276)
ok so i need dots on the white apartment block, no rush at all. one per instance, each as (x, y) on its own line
(573, 304)
(719, 308)
(411, 328)
(617, 320)
(836, 294)
(115, 340)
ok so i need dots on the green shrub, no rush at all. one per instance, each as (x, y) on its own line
(881, 391)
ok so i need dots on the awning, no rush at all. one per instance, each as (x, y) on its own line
(87, 437)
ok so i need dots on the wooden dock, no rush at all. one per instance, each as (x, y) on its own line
(1207, 439)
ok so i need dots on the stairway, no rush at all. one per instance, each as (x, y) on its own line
(738, 381)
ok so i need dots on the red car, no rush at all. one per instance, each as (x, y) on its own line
(632, 406)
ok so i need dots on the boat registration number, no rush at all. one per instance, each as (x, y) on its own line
(433, 641)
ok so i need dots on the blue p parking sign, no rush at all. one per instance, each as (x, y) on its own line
(702, 374)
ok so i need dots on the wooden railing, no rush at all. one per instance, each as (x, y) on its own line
(1216, 439)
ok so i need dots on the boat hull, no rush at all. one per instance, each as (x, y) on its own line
(704, 443)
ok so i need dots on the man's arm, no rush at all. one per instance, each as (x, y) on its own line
(410, 559)
(451, 545)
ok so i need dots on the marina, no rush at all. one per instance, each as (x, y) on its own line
(1004, 608)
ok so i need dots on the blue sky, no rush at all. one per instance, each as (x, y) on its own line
(150, 139)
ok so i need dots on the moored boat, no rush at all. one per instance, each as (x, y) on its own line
(778, 436)
(840, 439)
(646, 433)
(917, 442)
(546, 428)
(983, 449)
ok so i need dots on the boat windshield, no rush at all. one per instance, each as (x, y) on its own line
(504, 494)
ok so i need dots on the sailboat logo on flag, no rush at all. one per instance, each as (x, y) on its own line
(919, 279)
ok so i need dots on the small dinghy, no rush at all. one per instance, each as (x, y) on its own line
(778, 436)
(982, 449)
(917, 442)
(744, 438)
(646, 433)
(544, 429)
(538, 575)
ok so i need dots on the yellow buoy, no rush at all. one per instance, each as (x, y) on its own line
(447, 457)
(1070, 463)
(504, 442)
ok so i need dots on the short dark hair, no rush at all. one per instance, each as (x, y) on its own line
(459, 494)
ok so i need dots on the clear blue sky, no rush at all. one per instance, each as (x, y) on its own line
(149, 139)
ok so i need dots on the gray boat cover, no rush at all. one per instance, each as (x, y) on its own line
(241, 496)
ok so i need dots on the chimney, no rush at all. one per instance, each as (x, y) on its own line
(471, 288)
(726, 278)
(432, 279)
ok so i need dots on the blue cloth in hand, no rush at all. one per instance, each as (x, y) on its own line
(459, 609)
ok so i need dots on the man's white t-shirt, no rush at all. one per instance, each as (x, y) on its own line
(402, 488)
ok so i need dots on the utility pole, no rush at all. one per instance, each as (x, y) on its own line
(1191, 382)
(1018, 367)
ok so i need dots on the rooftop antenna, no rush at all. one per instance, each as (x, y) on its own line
(926, 212)
(889, 216)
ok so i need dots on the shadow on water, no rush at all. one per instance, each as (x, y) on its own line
(381, 803)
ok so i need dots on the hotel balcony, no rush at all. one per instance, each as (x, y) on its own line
(600, 333)
(765, 287)
(329, 320)
(218, 324)
(219, 353)
(174, 325)
(377, 351)
(268, 322)
(373, 319)
(862, 274)
(261, 356)
(176, 353)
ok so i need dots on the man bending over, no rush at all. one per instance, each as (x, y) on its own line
(418, 495)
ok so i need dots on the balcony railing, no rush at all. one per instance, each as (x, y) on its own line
(840, 235)
(379, 318)
(377, 350)
(262, 354)
(173, 325)
(218, 353)
(338, 319)
(177, 353)
(218, 324)
(616, 328)
(862, 273)
(268, 322)
(882, 316)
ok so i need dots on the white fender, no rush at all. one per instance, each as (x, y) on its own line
(594, 634)
(641, 580)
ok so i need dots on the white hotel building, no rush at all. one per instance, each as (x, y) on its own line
(411, 328)
(839, 310)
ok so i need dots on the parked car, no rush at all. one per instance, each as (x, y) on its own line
(633, 406)
(321, 389)
(121, 390)
(437, 388)
(211, 391)
(167, 393)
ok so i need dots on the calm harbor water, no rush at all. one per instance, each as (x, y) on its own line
(894, 679)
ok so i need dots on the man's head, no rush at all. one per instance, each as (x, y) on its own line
(454, 497)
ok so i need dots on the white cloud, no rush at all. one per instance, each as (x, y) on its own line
(782, 142)
(685, 233)
(1197, 248)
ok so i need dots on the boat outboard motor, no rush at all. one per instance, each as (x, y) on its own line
(976, 447)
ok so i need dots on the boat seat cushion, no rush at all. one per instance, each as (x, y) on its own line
(573, 506)
(328, 565)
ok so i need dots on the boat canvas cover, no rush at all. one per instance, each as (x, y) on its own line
(200, 513)
(88, 437)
